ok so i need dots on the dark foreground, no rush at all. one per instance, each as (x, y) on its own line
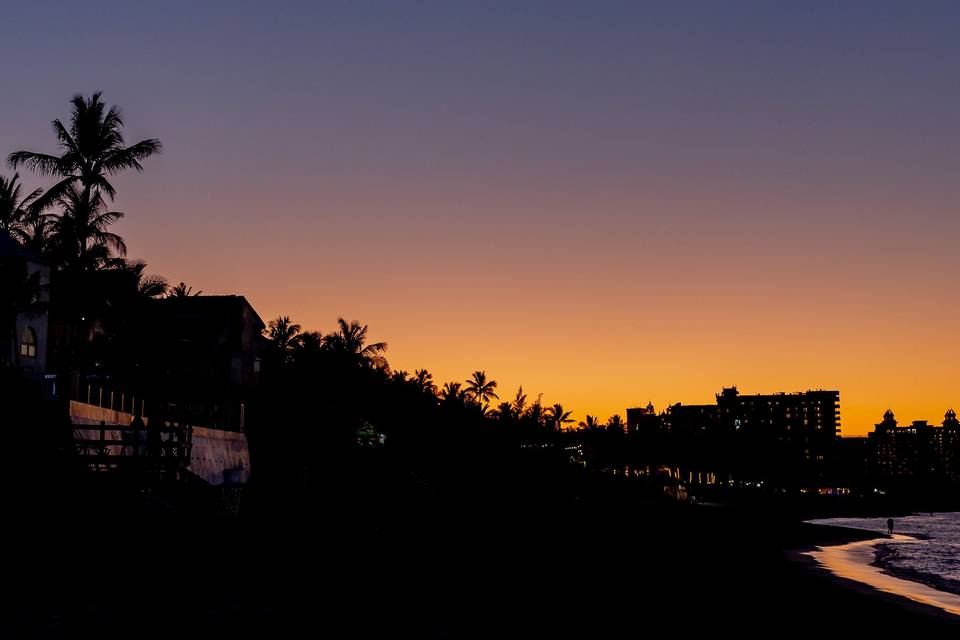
(385, 553)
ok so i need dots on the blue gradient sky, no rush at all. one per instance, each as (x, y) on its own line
(609, 202)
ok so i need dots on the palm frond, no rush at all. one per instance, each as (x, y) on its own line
(130, 157)
(40, 163)
(154, 286)
(66, 139)
(52, 196)
(116, 242)
(105, 219)
(33, 195)
(101, 184)
(375, 348)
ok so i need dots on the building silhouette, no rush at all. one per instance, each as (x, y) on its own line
(213, 340)
(791, 438)
(29, 347)
(916, 452)
(808, 420)
(643, 420)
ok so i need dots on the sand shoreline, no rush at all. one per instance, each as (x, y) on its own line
(849, 560)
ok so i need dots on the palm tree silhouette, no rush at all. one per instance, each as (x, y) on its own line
(423, 379)
(283, 334)
(535, 414)
(35, 232)
(504, 412)
(307, 343)
(115, 294)
(15, 208)
(558, 416)
(92, 147)
(615, 423)
(182, 290)
(519, 404)
(137, 281)
(451, 393)
(80, 237)
(351, 340)
(591, 423)
(481, 390)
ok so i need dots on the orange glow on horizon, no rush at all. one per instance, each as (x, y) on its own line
(609, 205)
(665, 316)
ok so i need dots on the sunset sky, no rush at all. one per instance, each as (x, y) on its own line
(608, 202)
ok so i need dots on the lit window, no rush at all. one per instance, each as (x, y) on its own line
(28, 343)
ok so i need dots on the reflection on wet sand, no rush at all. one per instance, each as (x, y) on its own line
(853, 562)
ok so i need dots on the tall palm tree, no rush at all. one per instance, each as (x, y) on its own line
(283, 333)
(15, 208)
(350, 340)
(92, 148)
(182, 290)
(423, 379)
(558, 417)
(590, 423)
(80, 237)
(481, 390)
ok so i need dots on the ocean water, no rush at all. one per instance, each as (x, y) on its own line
(933, 558)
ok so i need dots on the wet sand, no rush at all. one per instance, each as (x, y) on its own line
(854, 561)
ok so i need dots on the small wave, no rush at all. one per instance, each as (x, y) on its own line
(891, 561)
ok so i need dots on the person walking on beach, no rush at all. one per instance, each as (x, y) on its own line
(890, 525)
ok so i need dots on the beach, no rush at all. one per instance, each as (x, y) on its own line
(855, 561)
(915, 565)
(468, 560)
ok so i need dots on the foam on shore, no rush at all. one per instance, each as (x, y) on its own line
(854, 561)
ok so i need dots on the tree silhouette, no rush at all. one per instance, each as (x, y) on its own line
(590, 423)
(283, 334)
(504, 412)
(452, 394)
(423, 379)
(535, 415)
(558, 417)
(519, 404)
(138, 282)
(92, 148)
(615, 423)
(480, 390)
(116, 296)
(307, 344)
(350, 340)
(15, 209)
(34, 232)
(79, 237)
(182, 290)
